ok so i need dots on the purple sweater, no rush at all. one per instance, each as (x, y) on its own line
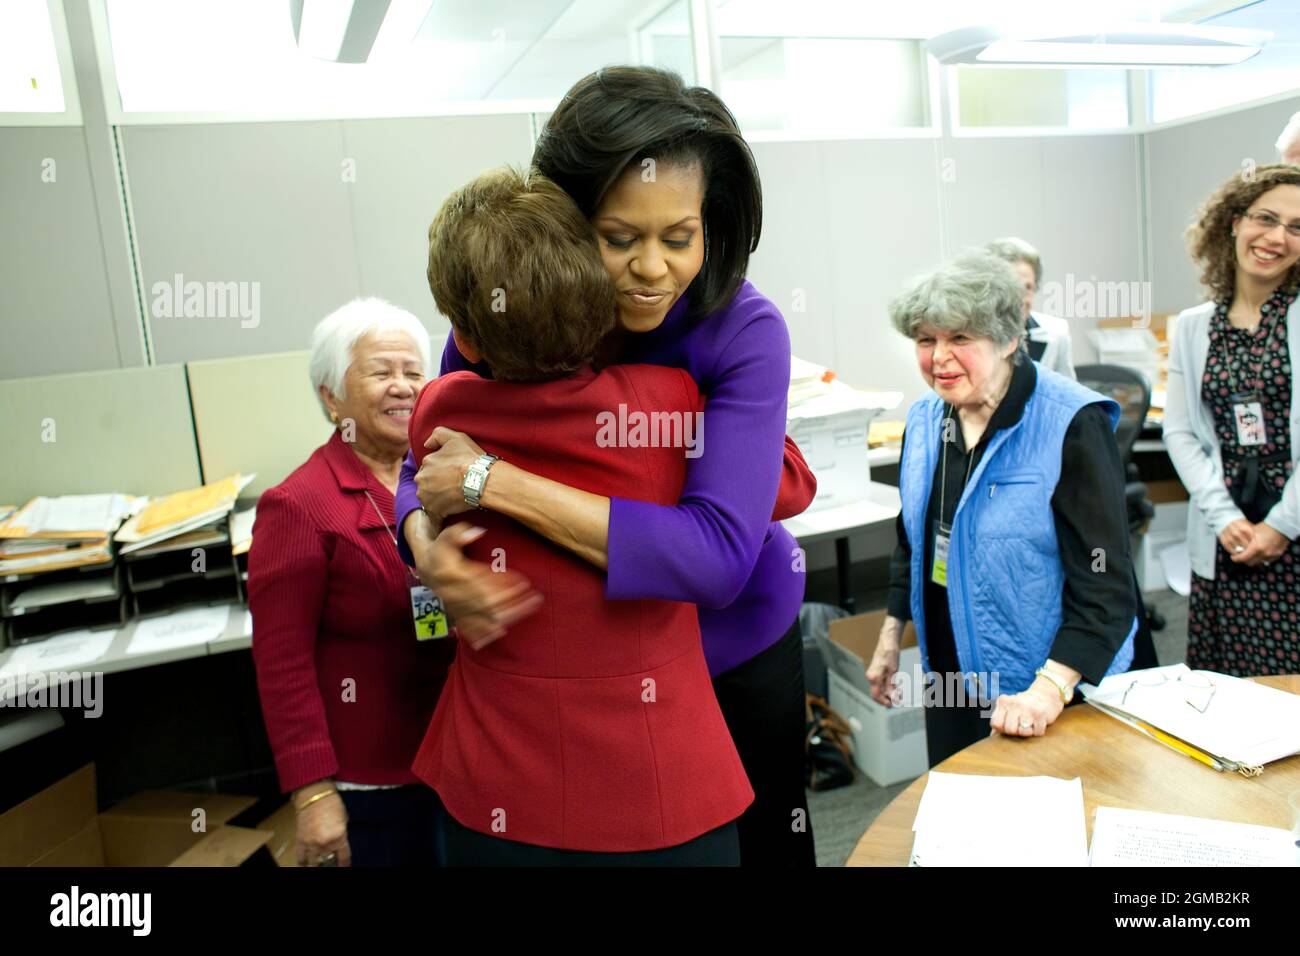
(717, 547)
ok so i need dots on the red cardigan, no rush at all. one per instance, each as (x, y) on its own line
(593, 724)
(331, 603)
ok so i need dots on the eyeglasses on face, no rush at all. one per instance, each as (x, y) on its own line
(1268, 222)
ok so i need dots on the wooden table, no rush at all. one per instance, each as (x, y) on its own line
(1119, 767)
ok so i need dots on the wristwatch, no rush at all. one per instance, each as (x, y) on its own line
(476, 478)
(1066, 691)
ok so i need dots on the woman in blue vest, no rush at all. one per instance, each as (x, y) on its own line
(1013, 551)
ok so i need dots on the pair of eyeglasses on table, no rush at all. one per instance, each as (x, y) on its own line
(1196, 683)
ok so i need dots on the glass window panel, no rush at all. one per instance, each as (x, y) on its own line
(1176, 93)
(814, 86)
(30, 81)
(666, 41)
(1010, 97)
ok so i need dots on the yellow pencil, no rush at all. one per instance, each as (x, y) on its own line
(1176, 744)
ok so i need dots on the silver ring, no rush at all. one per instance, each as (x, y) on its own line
(328, 859)
(1026, 724)
(1238, 549)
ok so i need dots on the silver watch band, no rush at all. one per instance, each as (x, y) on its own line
(476, 479)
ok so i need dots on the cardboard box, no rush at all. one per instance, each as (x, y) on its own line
(1166, 491)
(888, 742)
(283, 825)
(60, 827)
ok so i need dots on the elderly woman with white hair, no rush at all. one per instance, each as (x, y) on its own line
(1013, 556)
(1047, 338)
(348, 676)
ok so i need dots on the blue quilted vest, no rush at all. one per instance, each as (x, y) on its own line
(1005, 576)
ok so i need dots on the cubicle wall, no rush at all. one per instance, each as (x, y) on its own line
(255, 415)
(55, 315)
(152, 431)
(128, 430)
(846, 224)
(1187, 163)
(285, 221)
(295, 219)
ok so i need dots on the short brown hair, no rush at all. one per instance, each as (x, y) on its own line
(514, 265)
(1210, 237)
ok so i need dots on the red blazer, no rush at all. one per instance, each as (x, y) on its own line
(331, 603)
(593, 724)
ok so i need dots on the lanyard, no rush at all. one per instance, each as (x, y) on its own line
(430, 617)
(1283, 304)
(380, 515)
(943, 475)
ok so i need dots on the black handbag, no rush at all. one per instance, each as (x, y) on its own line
(828, 746)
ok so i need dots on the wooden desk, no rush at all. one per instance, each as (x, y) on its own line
(1119, 768)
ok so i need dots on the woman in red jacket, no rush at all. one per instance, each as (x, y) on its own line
(346, 686)
(591, 734)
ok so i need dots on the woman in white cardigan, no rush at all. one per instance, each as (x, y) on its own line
(1232, 427)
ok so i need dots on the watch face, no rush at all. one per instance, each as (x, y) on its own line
(474, 480)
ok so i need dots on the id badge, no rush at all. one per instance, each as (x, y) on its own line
(939, 569)
(1248, 416)
(430, 618)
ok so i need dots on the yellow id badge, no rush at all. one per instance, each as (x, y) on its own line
(430, 618)
(939, 568)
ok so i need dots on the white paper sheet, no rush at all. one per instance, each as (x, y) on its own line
(1142, 838)
(972, 820)
(59, 653)
(181, 629)
(76, 513)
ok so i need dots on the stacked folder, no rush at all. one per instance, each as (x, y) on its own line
(1224, 722)
(198, 513)
(182, 549)
(70, 531)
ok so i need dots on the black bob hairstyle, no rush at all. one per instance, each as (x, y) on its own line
(614, 118)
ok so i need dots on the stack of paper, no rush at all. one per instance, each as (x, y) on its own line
(163, 519)
(969, 820)
(1239, 725)
(71, 531)
(838, 398)
(807, 380)
(241, 530)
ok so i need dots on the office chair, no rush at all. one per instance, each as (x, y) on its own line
(1131, 390)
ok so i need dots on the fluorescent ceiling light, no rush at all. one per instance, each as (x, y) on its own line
(1122, 44)
(339, 30)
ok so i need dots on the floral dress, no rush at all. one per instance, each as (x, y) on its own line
(1246, 621)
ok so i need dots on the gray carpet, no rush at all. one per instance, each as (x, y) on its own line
(840, 817)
